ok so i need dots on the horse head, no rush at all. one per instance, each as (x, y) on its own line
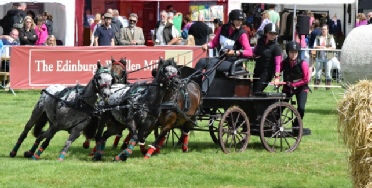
(167, 74)
(102, 78)
(118, 70)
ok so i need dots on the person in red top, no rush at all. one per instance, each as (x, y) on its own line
(233, 39)
(296, 75)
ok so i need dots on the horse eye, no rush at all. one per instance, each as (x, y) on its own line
(99, 77)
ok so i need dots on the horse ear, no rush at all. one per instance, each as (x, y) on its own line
(123, 61)
(161, 61)
(98, 64)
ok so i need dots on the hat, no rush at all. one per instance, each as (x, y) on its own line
(107, 15)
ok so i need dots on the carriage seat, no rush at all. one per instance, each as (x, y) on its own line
(237, 70)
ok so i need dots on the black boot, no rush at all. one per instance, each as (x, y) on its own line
(328, 83)
(316, 82)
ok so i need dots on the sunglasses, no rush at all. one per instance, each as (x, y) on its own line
(133, 21)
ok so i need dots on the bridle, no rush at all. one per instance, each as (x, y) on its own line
(120, 78)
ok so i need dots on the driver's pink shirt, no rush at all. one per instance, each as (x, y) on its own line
(243, 39)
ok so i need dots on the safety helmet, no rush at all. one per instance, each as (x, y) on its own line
(236, 14)
(292, 46)
(271, 28)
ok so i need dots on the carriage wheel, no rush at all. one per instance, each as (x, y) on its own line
(281, 128)
(214, 121)
(234, 130)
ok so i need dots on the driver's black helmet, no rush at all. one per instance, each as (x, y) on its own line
(292, 46)
(271, 28)
(236, 14)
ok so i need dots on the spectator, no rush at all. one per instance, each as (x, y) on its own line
(217, 23)
(273, 15)
(165, 33)
(14, 18)
(315, 32)
(200, 31)
(48, 21)
(361, 20)
(51, 41)
(370, 18)
(41, 31)
(27, 34)
(31, 13)
(324, 41)
(265, 20)
(170, 8)
(12, 38)
(186, 26)
(123, 22)
(132, 35)
(104, 35)
(116, 25)
(95, 28)
(97, 20)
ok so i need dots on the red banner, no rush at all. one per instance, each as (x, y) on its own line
(34, 67)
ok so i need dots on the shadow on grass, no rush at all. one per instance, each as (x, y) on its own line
(322, 111)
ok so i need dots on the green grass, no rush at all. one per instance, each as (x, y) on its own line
(319, 161)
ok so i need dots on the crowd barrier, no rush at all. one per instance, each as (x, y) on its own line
(333, 61)
(36, 67)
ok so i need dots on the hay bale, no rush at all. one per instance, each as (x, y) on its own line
(356, 57)
(355, 127)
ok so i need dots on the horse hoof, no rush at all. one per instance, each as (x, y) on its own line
(121, 158)
(97, 158)
(28, 154)
(86, 145)
(12, 154)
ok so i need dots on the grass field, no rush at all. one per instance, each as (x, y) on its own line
(319, 161)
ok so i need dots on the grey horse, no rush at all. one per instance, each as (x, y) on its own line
(137, 107)
(65, 108)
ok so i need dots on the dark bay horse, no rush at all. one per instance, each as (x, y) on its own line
(70, 109)
(120, 79)
(178, 111)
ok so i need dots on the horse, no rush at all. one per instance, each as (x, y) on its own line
(178, 110)
(120, 79)
(141, 107)
(65, 108)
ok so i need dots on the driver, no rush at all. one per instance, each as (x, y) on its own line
(296, 74)
(269, 56)
(233, 38)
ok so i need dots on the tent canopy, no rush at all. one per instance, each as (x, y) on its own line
(64, 17)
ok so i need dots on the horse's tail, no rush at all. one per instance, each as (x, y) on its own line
(39, 125)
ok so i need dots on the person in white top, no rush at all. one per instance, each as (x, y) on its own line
(165, 32)
(325, 41)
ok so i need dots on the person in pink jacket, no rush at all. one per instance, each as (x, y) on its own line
(361, 20)
(41, 31)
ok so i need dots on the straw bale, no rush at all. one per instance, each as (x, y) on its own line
(355, 127)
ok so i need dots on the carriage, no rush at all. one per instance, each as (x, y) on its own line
(234, 113)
